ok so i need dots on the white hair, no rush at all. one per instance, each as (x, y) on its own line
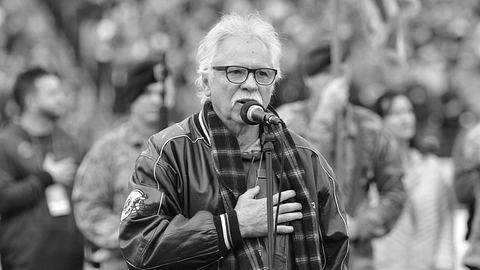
(236, 25)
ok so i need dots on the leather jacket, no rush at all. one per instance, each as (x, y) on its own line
(168, 219)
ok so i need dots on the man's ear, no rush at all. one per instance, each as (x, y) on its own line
(205, 84)
(205, 79)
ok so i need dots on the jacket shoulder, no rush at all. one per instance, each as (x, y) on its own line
(184, 129)
(174, 137)
(303, 143)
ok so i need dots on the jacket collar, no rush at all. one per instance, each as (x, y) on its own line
(203, 126)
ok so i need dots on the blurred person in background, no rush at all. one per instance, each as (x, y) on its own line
(38, 162)
(467, 189)
(463, 186)
(354, 142)
(198, 196)
(423, 236)
(101, 186)
(6, 105)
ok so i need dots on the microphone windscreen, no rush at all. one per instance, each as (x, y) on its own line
(244, 111)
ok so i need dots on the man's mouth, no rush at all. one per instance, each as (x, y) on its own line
(244, 100)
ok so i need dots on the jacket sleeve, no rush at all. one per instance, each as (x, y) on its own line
(153, 232)
(387, 171)
(93, 196)
(17, 191)
(333, 223)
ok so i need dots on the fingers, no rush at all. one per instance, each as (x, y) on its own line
(289, 212)
(283, 218)
(252, 213)
(285, 195)
(289, 207)
(62, 170)
(284, 229)
(250, 193)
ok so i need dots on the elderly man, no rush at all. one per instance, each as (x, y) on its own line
(198, 198)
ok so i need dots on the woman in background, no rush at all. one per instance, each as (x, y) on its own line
(423, 236)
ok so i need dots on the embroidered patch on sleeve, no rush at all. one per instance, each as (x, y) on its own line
(134, 204)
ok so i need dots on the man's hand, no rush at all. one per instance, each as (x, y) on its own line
(62, 171)
(252, 213)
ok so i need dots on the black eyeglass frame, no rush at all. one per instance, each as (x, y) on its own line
(249, 70)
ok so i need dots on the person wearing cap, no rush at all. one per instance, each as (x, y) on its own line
(362, 154)
(101, 185)
(199, 199)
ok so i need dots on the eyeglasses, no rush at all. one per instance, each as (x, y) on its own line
(238, 74)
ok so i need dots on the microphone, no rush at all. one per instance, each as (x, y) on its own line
(253, 113)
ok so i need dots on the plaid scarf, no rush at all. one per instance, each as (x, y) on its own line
(232, 177)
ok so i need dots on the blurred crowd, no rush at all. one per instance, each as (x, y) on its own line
(94, 42)
(425, 49)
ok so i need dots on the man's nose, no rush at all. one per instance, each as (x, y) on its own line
(250, 84)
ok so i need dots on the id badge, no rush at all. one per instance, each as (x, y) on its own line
(57, 200)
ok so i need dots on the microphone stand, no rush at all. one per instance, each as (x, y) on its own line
(267, 148)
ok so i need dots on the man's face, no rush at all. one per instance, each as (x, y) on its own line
(49, 100)
(225, 96)
(146, 107)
